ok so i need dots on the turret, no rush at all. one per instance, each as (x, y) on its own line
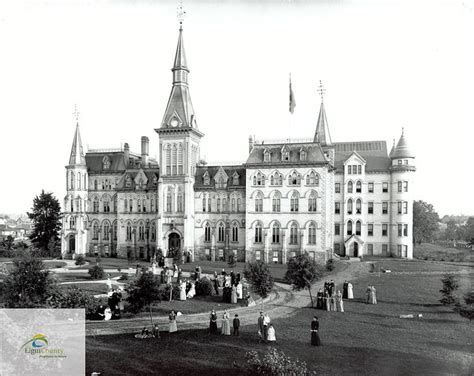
(322, 134)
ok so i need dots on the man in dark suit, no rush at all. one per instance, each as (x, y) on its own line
(236, 325)
(261, 329)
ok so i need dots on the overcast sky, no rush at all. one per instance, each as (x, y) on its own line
(385, 65)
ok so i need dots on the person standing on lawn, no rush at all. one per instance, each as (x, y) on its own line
(332, 288)
(344, 290)
(182, 290)
(339, 302)
(239, 290)
(333, 303)
(172, 322)
(315, 340)
(350, 293)
(326, 301)
(271, 333)
(373, 295)
(368, 292)
(236, 325)
(155, 331)
(233, 298)
(216, 284)
(260, 327)
(225, 323)
(213, 322)
(266, 324)
(319, 299)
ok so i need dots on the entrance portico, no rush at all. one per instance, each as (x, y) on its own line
(354, 246)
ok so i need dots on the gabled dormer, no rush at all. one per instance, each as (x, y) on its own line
(303, 155)
(267, 155)
(285, 153)
(220, 179)
(141, 180)
(106, 162)
(205, 178)
(355, 164)
(235, 178)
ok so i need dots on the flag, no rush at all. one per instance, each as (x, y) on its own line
(292, 99)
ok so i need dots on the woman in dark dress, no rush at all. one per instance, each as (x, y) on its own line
(319, 299)
(213, 322)
(315, 340)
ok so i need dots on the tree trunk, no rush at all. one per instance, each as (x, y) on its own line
(311, 296)
(151, 317)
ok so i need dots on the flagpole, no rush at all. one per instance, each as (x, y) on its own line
(289, 114)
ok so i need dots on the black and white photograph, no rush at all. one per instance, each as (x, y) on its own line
(236, 187)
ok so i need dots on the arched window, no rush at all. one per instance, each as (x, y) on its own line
(180, 159)
(238, 204)
(168, 159)
(349, 206)
(349, 187)
(312, 178)
(276, 233)
(221, 232)
(180, 200)
(259, 202)
(106, 230)
(349, 228)
(358, 206)
(294, 202)
(85, 181)
(266, 156)
(224, 205)
(276, 203)
(96, 205)
(259, 179)
(106, 205)
(169, 199)
(207, 233)
(293, 234)
(128, 181)
(258, 233)
(203, 204)
(152, 204)
(235, 232)
(153, 231)
(312, 202)
(312, 234)
(358, 187)
(358, 228)
(218, 204)
(125, 205)
(130, 205)
(95, 231)
(129, 231)
(72, 205)
(174, 152)
(79, 180)
(294, 179)
(232, 205)
(106, 163)
(141, 231)
(72, 223)
(96, 185)
(71, 180)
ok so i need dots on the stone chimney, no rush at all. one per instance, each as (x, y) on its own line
(250, 143)
(145, 150)
(126, 151)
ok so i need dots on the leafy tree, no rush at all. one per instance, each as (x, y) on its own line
(451, 232)
(46, 217)
(468, 230)
(425, 222)
(74, 297)
(143, 292)
(275, 363)
(204, 287)
(259, 277)
(450, 284)
(302, 272)
(8, 242)
(96, 272)
(467, 309)
(28, 285)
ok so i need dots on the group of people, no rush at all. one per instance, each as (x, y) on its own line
(266, 331)
(225, 324)
(332, 300)
(229, 286)
(371, 294)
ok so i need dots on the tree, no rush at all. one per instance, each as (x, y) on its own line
(259, 277)
(467, 309)
(275, 363)
(468, 230)
(302, 272)
(451, 232)
(143, 292)
(28, 285)
(450, 284)
(74, 297)
(425, 222)
(46, 217)
(8, 242)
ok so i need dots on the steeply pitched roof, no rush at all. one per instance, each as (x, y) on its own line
(94, 161)
(322, 134)
(77, 153)
(314, 153)
(212, 171)
(374, 153)
(402, 150)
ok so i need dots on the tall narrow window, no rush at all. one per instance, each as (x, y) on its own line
(180, 159)
(384, 229)
(294, 202)
(358, 206)
(312, 234)
(235, 232)
(276, 203)
(337, 207)
(370, 229)
(384, 187)
(337, 229)
(218, 204)
(276, 233)
(139, 205)
(141, 232)
(153, 231)
(174, 152)
(96, 205)
(399, 186)
(259, 203)
(168, 159)
(349, 187)
(239, 208)
(358, 187)
(349, 228)
(232, 204)
(79, 181)
(106, 205)
(72, 180)
(337, 188)
(258, 233)
(95, 231)
(115, 230)
(169, 200)
(207, 233)
(72, 223)
(180, 200)
(384, 207)
(370, 208)
(125, 205)
(204, 204)
(349, 206)
(130, 205)
(312, 200)
(129, 231)
(358, 228)
(293, 234)
(106, 230)
(221, 232)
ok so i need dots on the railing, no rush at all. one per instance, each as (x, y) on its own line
(284, 141)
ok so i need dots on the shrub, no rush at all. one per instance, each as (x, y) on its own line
(97, 272)
(466, 310)
(232, 261)
(123, 277)
(164, 292)
(204, 287)
(450, 284)
(275, 363)
(80, 260)
(330, 264)
(74, 297)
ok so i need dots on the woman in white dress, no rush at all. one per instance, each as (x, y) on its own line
(182, 291)
(191, 292)
(350, 293)
(271, 333)
(225, 324)
(373, 295)
(339, 301)
(239, 291)
(172, 322)
(233, 297)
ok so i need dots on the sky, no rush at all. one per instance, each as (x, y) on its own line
(384, 64)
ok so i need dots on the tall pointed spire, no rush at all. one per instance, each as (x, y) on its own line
(402, 150)
(322, 134)
(77, 153)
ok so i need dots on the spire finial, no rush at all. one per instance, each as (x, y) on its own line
(181, 13)
(403, 131)
(321, 91)
(76, 114)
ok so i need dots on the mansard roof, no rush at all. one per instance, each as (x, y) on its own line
(133, 174)
(373, 152)
(212, 171)
(117, 158)
(314, 153)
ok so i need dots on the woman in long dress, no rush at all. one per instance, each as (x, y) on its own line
(339, 302)
(191, 292)
(172, 322)
(373, 295)
(350, 293)
(333, 303)
(271, 337)
(182, 291)
(225, 324)
(233, 298)
(368, 292)
(315, 340)
(213, 322)
(239, 289)
(327, 301)
(319, 299)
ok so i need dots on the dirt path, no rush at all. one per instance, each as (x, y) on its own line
(282, 303)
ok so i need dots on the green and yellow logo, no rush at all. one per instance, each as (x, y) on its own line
(39, 345)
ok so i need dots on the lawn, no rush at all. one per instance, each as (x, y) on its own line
(365, 340)
(427, 251)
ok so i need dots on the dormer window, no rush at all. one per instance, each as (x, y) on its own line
(205, 178)
(302, 155)
(221, 183)
(128, 181)
(266, 156)
(235, 179)
(285, 155)
(106, 163)
(155, 181)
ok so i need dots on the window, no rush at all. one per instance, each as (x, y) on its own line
(128, 182)
(258, 233)
(359, 169)
(302, 155)
(384, 249)
(72, 205)
(106, 205)
(144, 205)
(370, 249)
(285, 155)
(400, 229)
(276, 203)
(399, 161)
(235, 232)
(205, 179)
(358, 206)
(152, 205)
(259, 203)
(276, 179)
(257, 255)
(349, 187)
(224, 205)
(405, 230)
(312, 178)
(358, 187)
(130, 204)
(399, 250)
(358, 228)
(294, 179)
(266, 156)
(180, 159)
(96, 205)
(115, 230)
(276, 233)
(207, 233)
(400, 186)
(232, 204)
(384, 229)
(293, 234)
(169, 198)
(337, 207)
(209, 204)
(79, 181)
(405, 186)
(349, 228)
(238, 204)
(349, 169)
(95, 185)
(106, 231)
(275, 257)
(95, 231)
(399, 204)
(337, 248)
(294, 202)
(385, 187)
(337, 188)
(180, 200)
(129, 232)
(221, 183)
(71, 182)
(221, 233)
(204, 204)
(349, 206)
(312, 202)
(174, 157)
(235, 179)
(370, 229)
(405, 207)
(370, 207)
(370, 187)
(384, 207)
(72, 223)
(219, 205)
(312, 234)
(405, 161)
(337, 229)
(139, 205)
(141, 232)
(125, 205)
(259, 179)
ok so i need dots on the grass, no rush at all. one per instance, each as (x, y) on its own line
(365, 340)
(434, 252)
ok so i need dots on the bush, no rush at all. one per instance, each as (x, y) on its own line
(123, 277)
(204, 287)
(74, 297)
(466, 310)
(330, 264)
(80, 260)
(164, 292)
(275, 363)
(450, 284)
(232, 260)
(97, 272)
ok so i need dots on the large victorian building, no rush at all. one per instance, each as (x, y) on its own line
(319, 196)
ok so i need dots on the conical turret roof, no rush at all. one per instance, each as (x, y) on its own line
(322, 134)
(77, 153)
(402, 150)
